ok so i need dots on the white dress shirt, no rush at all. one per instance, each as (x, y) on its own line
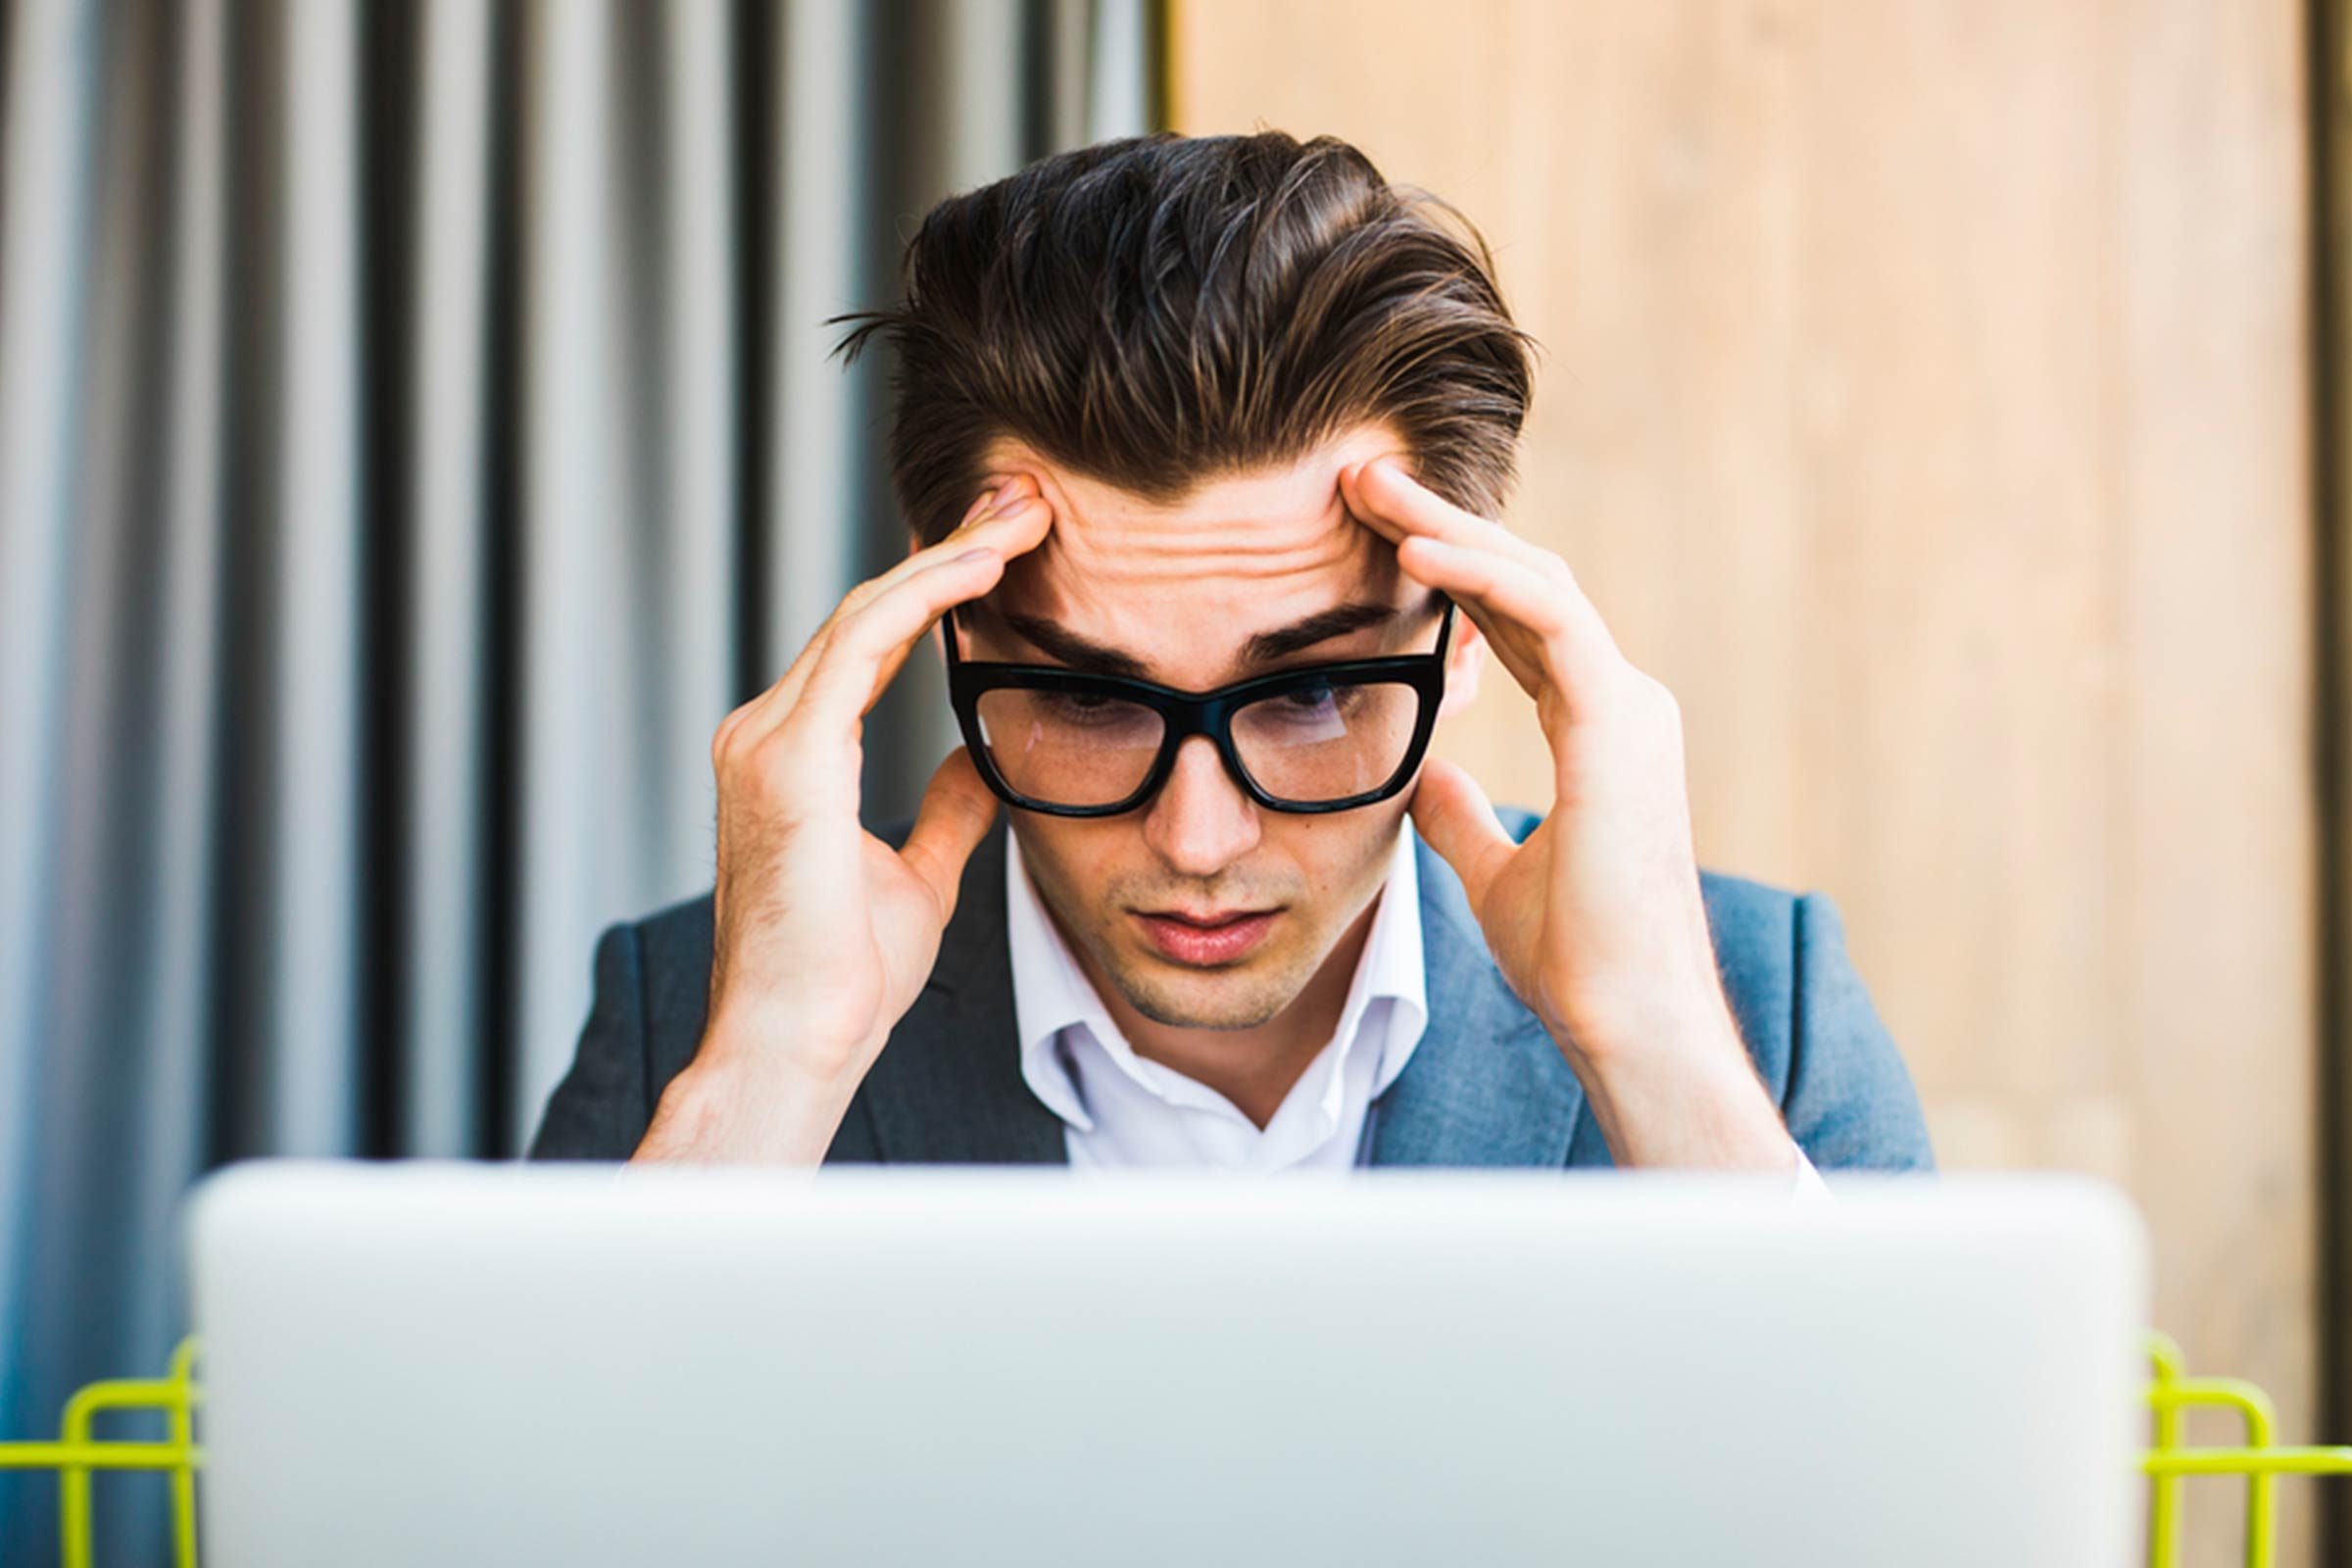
(1118, 1109)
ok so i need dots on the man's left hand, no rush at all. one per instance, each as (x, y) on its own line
(1596, 919)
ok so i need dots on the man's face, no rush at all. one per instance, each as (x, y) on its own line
(1177, 594)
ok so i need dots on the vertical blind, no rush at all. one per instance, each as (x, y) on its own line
(416, 431)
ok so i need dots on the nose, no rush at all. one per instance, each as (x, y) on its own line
(1201, 823)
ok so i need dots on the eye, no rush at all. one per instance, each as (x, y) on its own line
(1087, 709)
(1307, 701)
(1322, 709)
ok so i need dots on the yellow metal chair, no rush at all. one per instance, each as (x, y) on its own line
(78, 1453)
(2168, 1464)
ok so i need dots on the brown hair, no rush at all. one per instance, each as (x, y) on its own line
(1156, 311)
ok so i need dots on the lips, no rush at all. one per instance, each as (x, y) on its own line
(1205, 939)
(1205, 919)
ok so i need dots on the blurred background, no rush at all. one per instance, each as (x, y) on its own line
(416, 431)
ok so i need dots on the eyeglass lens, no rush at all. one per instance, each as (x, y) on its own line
(1313, 744)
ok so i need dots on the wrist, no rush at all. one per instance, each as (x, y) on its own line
(1688, 1017)
(1685, 1093)
(793, 1045)
(737, 1104)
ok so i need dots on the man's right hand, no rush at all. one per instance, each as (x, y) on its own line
(822, 934)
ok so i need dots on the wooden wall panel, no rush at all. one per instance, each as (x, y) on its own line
(1923, 400)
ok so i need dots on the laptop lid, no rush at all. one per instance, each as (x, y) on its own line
(478, 1365)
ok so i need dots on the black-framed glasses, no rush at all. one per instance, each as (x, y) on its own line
(1317, 738)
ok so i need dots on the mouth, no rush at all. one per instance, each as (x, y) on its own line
(1206, 939)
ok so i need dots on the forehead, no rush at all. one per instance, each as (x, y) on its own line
(1185, 583)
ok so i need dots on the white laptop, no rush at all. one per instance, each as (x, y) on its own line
(582, 1367)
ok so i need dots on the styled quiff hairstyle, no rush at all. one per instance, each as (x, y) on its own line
(1152, 312)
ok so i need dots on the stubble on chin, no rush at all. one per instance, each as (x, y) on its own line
(1226, 998)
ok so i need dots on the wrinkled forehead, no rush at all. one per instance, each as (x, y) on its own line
(1184, 585)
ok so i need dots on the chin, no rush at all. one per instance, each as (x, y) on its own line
(1222, 999)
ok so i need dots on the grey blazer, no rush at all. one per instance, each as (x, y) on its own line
(1486, 1086)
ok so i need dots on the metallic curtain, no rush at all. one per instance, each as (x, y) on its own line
(416, 430)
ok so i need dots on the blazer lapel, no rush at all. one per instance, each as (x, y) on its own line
(1487, 1084)
(948, 1087)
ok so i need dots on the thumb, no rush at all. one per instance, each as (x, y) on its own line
(1458, 820)
(949, 825)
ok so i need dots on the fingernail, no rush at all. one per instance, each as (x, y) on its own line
(981, 553)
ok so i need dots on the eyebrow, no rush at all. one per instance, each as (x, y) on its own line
(1263, 648)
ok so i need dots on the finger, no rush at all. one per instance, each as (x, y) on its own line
(1015, 529)
(1012, 531)
(1386, 492)
(870, 645)
(995, 497)
(807, 753)
(1518, 646)
(954, 817)
(1011, 518)
(1400, 507)
(1457, 819)
(1538, 626)
(997, 536)
(1016, 522)
(1015, 519)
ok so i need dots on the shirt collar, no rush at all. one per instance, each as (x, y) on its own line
(1051, 994)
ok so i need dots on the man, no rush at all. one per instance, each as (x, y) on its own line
(1239, 417)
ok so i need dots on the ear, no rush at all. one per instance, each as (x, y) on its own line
(1464, 662)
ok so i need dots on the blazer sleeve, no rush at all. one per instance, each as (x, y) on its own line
(601, 1109)
(1851, 1101)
